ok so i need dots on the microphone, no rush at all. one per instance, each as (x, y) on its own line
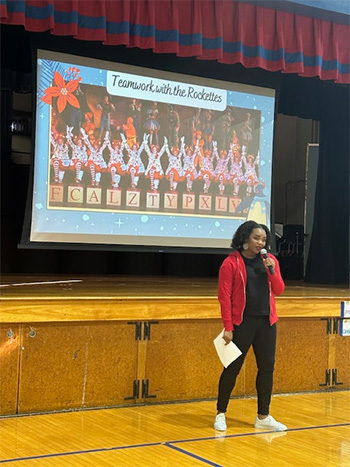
(263, 253)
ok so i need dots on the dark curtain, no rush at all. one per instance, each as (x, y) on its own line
(329, 259)
(328, 103)
(7, 225)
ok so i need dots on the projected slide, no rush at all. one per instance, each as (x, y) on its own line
(134, 156)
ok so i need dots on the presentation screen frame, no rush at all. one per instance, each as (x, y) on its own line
(99, 213)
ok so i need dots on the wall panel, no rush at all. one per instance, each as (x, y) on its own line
(9, 366)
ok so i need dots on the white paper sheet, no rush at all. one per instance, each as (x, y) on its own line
(227, 353)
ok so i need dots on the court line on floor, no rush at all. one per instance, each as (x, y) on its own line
(254, 433)
(190, 454)
(84, 451)
(169, 444)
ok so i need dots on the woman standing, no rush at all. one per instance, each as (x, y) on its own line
(248, 283)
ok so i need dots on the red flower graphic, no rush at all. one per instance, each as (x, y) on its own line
(63, 91)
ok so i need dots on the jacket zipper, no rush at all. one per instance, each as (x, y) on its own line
(240, 273)
(270, 301)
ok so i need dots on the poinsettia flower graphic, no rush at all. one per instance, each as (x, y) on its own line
(63, 91)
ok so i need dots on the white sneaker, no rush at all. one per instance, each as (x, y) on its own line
(269, 423)
(220, 422)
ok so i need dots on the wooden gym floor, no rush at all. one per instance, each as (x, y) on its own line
(181, 435)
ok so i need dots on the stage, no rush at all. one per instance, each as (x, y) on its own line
(76, 342)
(85, 298)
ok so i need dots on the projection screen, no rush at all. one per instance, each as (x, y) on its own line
(132, 156)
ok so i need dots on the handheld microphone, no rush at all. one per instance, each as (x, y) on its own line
(263, 253)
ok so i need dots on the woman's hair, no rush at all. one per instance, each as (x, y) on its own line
(243, 232)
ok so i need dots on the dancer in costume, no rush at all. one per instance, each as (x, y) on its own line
(96, 163)
(236, 171)
(116, 165)
(134, 166)
(79, 155)
(134, 111)
(60, 158)
(199, 150)
(196, 125)
(106, 108)
(208, 129)
(234, 144)
(76, 115)
(246, 132)
(250, 176)
(88, 124)
(154, 169)
(130, 131)
(174, 172)
(174, 127)
(221, 169)
(151, 126)
(206, 171)
(189, 168)
(226, 129)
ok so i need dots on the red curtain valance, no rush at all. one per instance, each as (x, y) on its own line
(228, 31)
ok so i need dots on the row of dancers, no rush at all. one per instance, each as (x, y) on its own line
(184, 163)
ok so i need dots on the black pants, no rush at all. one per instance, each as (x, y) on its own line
(258, 332)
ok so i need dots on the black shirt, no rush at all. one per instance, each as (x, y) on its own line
(257, 290)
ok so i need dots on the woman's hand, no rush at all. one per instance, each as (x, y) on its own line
(269, 262)
(227, 336)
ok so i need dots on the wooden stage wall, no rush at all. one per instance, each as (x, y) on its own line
(75, 343)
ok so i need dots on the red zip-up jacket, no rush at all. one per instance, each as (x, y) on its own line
(232, 289)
